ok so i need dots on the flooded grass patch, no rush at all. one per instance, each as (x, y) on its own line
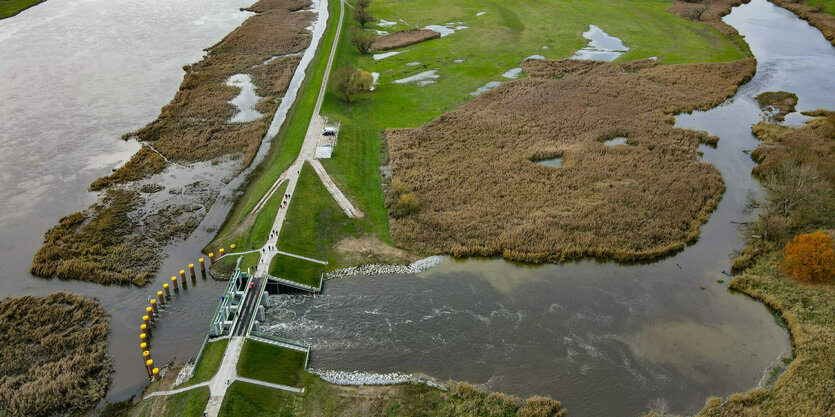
(479, 195)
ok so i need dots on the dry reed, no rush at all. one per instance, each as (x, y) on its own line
(403, 38)
(481, 193)
(53, 355)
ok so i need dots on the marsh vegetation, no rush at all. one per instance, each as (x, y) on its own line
(53, 355)
(480, 194)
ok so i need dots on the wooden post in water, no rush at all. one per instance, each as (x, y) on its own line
(183, 278)
(144, 328)
(167, 291)
(154, 306)
(143, 346)
(155, 376)
(150, 365)
(211, 259)
(146, 320)
(143, 338)
(150, 312)
(174, 284)
(161, 298)
(202, 268)
(191, 272)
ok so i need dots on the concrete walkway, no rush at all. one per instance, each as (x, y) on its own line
(175, 391)
(270, 384)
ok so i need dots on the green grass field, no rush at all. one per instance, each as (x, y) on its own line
(209, 362)
(298, 270)
(191, 403)
(9, 8)
(828, 5)
(314, 221)
(243, 399)
(270, 363)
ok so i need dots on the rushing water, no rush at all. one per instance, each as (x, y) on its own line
(603, 338)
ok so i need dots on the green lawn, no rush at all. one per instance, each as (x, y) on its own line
(226, 265)
(314, 221)
(270, 363)
(209, 362)
(191, 403)
(243, 399)
(251, 234)
(828, 5)
(298, 270)
(9, 8)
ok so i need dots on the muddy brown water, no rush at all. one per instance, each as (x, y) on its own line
(601, 337)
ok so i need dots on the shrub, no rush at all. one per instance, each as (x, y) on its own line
(537, 406)
(362, 40)
(810, 257)
(347, 82)
(363, 16)
(402, 200)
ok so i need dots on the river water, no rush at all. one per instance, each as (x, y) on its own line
(605, 339)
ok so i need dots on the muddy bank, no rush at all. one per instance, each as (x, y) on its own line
(54, 355)
(479, 192)
(189, 153)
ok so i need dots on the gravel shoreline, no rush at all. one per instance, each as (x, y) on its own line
(371, 378)
(378, 269)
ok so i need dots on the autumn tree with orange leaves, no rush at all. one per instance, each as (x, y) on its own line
(810, 257)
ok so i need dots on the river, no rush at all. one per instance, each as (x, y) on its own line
(605, 339)
(601, 337)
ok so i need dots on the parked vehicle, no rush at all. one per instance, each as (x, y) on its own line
(329, 131)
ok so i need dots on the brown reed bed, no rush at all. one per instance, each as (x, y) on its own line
(480, 192)
(117, 240)
(403, 38)
(53, 355)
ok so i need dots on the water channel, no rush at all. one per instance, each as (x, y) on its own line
(603, 338)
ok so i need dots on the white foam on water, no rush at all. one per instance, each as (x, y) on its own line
(385, 23)
(485, 88)
(421, 78)
(245, 100)
(385, 55)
